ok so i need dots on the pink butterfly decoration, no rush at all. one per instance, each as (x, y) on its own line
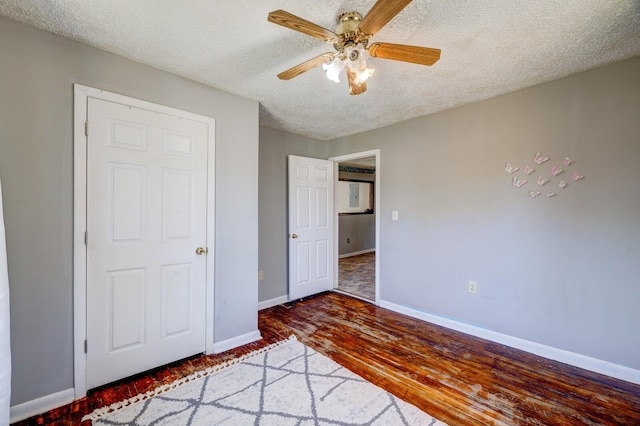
(556, 171)
(510, 169)
(539, 158)
(518, 182)
(576, 176)
(528, 170)
(562, 184)
(534, 194)
(542, 181)
(550, 193)
(567, 161)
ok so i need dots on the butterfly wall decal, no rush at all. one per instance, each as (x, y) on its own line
(555, 170)
(509, 168)
(517, 182)
(539, 158)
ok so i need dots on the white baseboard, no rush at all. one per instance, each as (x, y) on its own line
(234, 342)
(577, 360)
(272, 302)
(355, 253)
(41, 405)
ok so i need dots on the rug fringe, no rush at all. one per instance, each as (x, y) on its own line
(101, 412)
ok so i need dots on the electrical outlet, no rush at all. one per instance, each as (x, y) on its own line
(394, 215)
(260, 275)
(473, 287)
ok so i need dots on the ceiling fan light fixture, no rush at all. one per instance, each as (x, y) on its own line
(333, 69)
(351, 43)
(356, 59)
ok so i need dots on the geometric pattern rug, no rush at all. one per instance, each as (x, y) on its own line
(286, 383)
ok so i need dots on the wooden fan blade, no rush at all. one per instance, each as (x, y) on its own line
(296, 23)
(381, 13)
(355, 88)
(306, 66)
(402, 52)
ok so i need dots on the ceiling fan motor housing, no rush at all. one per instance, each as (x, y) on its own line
(347, 30)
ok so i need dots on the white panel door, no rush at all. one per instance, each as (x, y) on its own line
(310, 226)
(146, 216)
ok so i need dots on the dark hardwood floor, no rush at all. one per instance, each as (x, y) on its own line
(459, 379)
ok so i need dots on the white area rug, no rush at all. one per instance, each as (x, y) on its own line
(284, 384)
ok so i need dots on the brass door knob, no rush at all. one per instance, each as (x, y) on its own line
(200, 251)
(294, 235)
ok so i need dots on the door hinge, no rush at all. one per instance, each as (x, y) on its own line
(86, 346)
(86, 238)
(86, 128)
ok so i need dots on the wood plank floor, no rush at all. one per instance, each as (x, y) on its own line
(459, 379)
(357, 275)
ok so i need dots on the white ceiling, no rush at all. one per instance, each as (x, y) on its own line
(489, 47)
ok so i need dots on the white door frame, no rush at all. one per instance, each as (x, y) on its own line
(376, 209)
(81, 95)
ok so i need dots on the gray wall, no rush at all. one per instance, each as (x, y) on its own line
(275, 145)
(360, 229)
(38, 70)
(560, 271)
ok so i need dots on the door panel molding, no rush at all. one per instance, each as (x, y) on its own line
(173, 143)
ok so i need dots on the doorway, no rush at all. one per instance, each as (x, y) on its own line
(357, 201)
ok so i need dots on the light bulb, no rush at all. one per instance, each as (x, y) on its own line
(357, 62)
(333, 69)
(365, 74)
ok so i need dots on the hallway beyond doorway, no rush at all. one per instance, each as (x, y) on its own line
(357, 275)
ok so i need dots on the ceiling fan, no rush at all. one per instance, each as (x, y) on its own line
(351, 42)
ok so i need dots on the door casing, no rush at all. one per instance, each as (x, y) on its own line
(81, 95)
(336, 238)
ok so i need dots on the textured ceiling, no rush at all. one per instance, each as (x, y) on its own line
(489, 47)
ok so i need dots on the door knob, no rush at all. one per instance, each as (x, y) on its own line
(294, 235)
(200, 251)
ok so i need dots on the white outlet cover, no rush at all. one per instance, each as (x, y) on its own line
(394, 215)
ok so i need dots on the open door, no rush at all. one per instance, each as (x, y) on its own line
(310, 226)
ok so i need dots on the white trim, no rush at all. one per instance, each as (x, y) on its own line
(378, 197)
(81, 96)
(80, 99)
(355, 253)
(355, 296)
(234, 342)
(41, 405)
(211, 248)
(273, 302)
(577, 360)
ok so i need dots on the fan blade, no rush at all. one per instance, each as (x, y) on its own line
(381, 13)
(355, 88)
(306, 66)
(296, 23)
(402, 52)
